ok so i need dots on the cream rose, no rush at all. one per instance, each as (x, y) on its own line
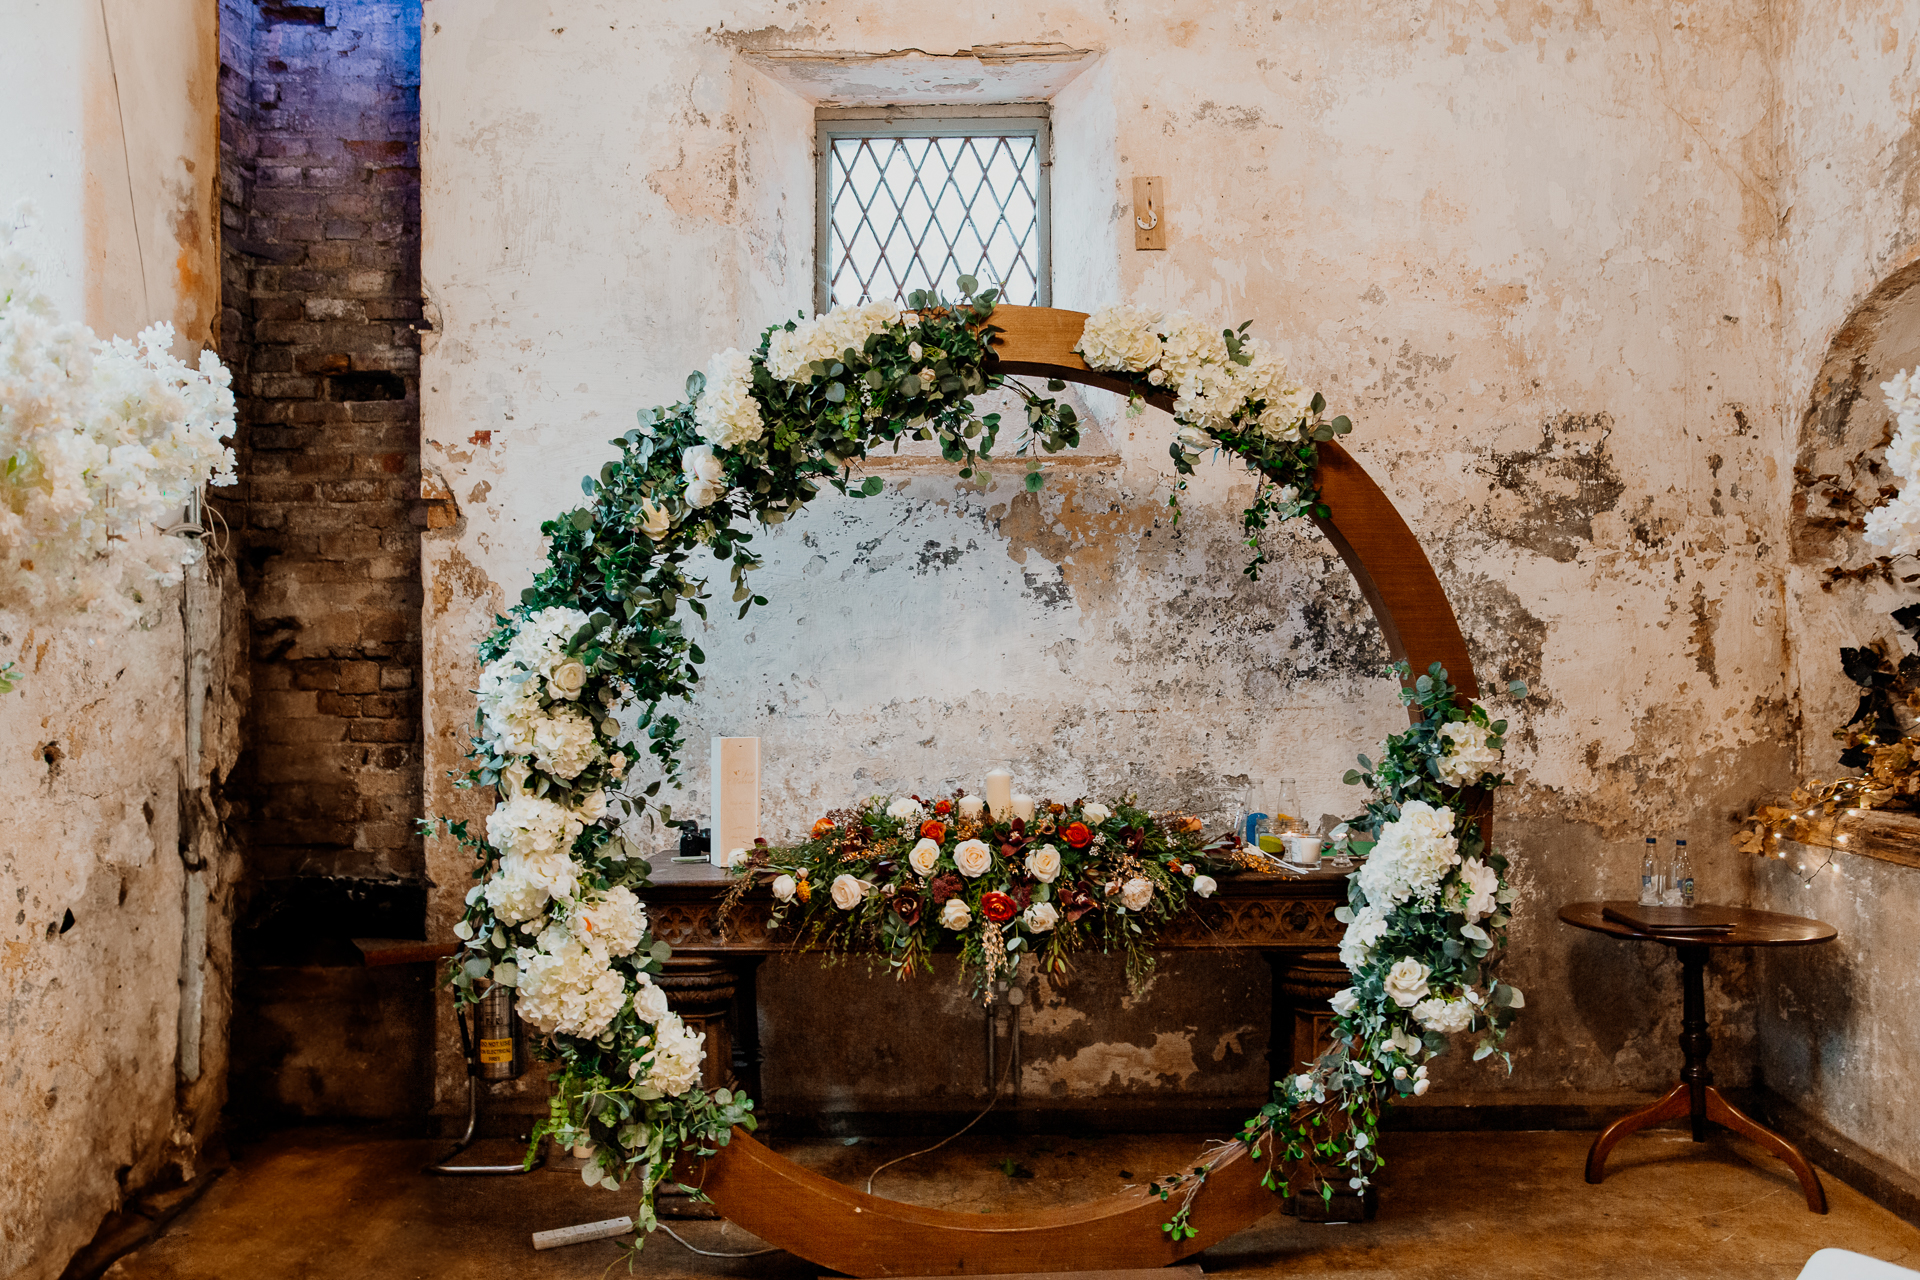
(1344, 1001)
(649, 1002)
(1043, 864)
(955, 915)
(972, 858)
(847, 890)
(1205, 885)
(904, 808)
(1095, 814)
(1040, 917)
(1136, 893)
(654, 521)
(1406, 982)
(924, 858)
(784, 888)
(592, 806)
(970, 807)
(567, 680)
(737, 858)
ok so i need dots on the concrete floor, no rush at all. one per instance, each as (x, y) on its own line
(321, 1203)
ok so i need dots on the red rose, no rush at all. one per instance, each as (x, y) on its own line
(997, 907)
(947, 886)
(943, 807)
(1077, 835)
(932, 830)
(907, 907)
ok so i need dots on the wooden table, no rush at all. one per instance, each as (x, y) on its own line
(1287, 918)
(1695, 1095)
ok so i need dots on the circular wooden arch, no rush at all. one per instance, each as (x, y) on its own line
(836, 1226)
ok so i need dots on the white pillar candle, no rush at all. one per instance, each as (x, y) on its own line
(1023, 808)
(970, 807)
(1000, 793)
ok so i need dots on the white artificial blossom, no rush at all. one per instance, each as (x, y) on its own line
(103, 443)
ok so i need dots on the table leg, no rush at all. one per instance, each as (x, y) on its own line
(1696, 1042)
(1722, 1112)
(1677, 1102)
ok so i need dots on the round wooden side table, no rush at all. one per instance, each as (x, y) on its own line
(1695, 1095)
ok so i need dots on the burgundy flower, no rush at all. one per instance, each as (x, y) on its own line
(997, 907)
(1021, 891)
(947, 886)
(906, 905)
(1076, 901)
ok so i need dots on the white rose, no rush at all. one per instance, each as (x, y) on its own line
(955, 915)
(925, 857)
(972, 858)
(1303, 1083)
(1043, 864)
(1420, 1087)
(1481, 883)
(654, 521)
(738, 858)
(970, 807)
(592, 806)
(649, 1002)
(1095, 814)
(567, 680)
(906, 808)
(1136, 893)
(1040, 917)
(1344, 1001)
(847, 891)
(514, 778)
(1204, 886)
(784, 888)
(1407, 982)
(703, 493)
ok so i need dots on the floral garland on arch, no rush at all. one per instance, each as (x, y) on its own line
(586, 665)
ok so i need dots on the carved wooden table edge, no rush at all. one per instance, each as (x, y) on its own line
(1695, 1096)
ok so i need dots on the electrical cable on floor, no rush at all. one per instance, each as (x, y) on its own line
(708, 1253)
(998, 1088)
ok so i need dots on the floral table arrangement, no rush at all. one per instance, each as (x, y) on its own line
(894, 877)
(590, 661)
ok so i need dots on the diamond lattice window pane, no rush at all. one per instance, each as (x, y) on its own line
(906, 212)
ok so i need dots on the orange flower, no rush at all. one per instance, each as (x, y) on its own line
(943, 807)
(997, 907)
(823, 828)
(1077, 835)
(934, 830)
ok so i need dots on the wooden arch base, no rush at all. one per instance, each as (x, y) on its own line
(864, 1235)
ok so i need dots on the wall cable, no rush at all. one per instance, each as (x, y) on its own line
(126, 167)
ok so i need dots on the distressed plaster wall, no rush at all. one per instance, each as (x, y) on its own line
(1841, 1023)
(1529, 248)
(115, 874)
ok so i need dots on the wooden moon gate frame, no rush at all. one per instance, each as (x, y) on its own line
(866, 1235)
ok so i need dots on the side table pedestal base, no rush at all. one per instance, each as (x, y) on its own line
(1679, 1102)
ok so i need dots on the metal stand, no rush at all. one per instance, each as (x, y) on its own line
(445, 1169)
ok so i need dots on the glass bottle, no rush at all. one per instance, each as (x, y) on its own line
(1683, 872)
(1649, 877)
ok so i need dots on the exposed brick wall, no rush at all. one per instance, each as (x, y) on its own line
(321, 222)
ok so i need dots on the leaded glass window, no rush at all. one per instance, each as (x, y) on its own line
(916, 203)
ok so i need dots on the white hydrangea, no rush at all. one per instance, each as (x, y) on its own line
(1479, 887)
(530, 826)
(1448, 1017)
(678, 1055)
(105, 443)
(513, 686)
(726, 412)
(1468, 758)
(565, 741)
(1121, 338)
(1413, 856)
(615, 920)
(1895, 524)
(1361, 937)
(567, 987)
(790, 352)
(515, 899)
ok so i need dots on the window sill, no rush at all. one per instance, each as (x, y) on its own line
(1871, 833)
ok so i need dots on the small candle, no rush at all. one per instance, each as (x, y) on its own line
(999, 793)
(970, 807)
(1023, 808)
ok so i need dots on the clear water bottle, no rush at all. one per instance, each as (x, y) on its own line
(1683, 872)
(1649, 877)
